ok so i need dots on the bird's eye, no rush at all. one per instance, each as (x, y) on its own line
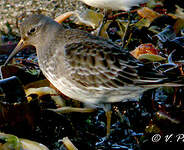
(31, 31)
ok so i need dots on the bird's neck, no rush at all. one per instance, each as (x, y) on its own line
(48, 41)
(47, 37)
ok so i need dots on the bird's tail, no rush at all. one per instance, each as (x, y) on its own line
(152, 77)
(162, 81)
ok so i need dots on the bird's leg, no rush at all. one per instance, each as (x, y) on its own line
(104, 20)
(108, 112)
(126, 29)
(108, 115)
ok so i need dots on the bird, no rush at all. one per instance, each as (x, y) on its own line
(125, 5)
(114, 4)
(86, 67)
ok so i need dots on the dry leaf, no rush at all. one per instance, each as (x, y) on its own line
(11, 142)
(37, 84)
(103, 32)
(45, 91)
(88, 18)
(144, 49)
(179, 16)
(165, 116)
(64, 16)
(32, 145)
(148, 13)
(147, 52)
(68, 144)
(151, 57)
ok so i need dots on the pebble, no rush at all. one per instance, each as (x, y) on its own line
(10, 10)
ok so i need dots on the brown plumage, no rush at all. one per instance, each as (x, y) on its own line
(85, 67)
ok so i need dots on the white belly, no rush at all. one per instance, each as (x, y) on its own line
(113, 4)
(106, 96)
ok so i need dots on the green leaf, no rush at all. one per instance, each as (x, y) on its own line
(151, 57)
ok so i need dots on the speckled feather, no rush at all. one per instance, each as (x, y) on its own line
(85, 67)
(99, 68)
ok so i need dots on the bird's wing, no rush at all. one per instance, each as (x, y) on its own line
(102, 65)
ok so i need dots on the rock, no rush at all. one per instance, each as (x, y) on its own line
(11, 10)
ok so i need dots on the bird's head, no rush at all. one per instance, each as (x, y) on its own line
(31, 29)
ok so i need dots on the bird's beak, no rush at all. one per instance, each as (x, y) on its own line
(19, 47)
